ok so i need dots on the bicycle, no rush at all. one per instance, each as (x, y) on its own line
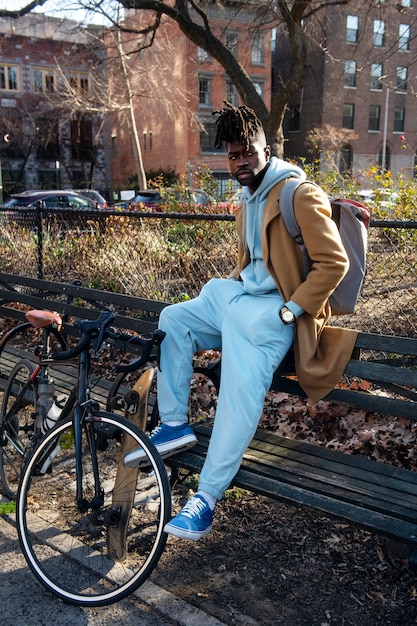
(91, 529)
(23, 419)
(23, 412)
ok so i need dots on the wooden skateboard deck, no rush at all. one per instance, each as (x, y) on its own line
(125, 484)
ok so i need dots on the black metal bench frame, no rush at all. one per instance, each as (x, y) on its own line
(374, 495)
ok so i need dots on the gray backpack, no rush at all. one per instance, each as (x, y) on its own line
(352, 219)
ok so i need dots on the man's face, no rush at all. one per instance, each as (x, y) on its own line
(246, 165)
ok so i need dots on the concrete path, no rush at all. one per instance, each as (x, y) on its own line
(24, 602)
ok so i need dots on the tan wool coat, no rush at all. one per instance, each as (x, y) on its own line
(321, 351)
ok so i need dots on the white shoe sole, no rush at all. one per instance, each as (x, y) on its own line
(182, 533)
(137, 458)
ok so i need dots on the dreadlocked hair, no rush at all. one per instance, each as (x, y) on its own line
(236, 124)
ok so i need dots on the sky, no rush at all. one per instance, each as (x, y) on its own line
(62, 8)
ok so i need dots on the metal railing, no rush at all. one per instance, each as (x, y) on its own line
(168, 257)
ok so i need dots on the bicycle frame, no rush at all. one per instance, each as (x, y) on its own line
(83, 403)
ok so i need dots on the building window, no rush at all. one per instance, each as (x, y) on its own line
(374, 117)
(9, 77)
(404, 37)
(231, 93)
(259, 88)
(348, 120)
(350, 74)
(346, 157)
(274, 40)
(208, 136)
(43, 80)
(203, 56)
(204, 92)
(352, 28)
(231, 42)
(79, 81)
(379, 33)
(258, 51)
(294, 118)
(47, 135)
(401, 78)
(82, 139)
(399, 116)
(376, 75)
(405, 3)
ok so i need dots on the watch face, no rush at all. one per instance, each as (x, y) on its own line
(287, 316)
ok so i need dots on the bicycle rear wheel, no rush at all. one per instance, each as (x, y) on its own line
(20, 343)
(68, 546)
(18, 410)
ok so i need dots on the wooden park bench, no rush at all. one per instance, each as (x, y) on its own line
(374, 495)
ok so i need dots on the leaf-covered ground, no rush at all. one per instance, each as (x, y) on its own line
(270, 564)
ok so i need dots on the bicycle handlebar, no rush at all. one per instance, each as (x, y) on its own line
(98, 329)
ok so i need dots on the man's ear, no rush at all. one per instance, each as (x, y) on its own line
(267, 151)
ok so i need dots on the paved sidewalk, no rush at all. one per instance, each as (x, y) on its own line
(24, 602)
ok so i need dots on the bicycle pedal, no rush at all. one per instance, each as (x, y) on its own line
(108, 518)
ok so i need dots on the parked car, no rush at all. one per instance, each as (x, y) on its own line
(150, 199)
(53, 200)
(94, 196)
(153, 199)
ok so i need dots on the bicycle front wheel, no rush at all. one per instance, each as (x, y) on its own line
(97, 551)
(18, 410)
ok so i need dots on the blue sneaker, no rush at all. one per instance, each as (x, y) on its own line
(193, 522)
(168, 440)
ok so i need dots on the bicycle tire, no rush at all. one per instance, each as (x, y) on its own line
(18, 409)
(65, 547)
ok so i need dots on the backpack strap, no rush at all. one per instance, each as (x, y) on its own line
(286, 204)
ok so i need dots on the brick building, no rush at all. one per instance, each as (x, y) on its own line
(178, 86)
(42, 145)
(360, 89)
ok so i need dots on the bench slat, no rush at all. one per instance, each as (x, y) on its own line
(330, 483)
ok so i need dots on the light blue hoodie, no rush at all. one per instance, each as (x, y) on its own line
(255, 276)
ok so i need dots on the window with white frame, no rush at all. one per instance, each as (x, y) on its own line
(231, 42)
(203, 56)
(404, 37)
(259, 86)
(352, 28)
(231, 92)
(9, 77)
(258, 50)
(401, 78)
(379, 33)
(376, 75)
(204, 91)
(350, 74)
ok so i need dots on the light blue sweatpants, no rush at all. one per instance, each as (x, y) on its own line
(253, 341)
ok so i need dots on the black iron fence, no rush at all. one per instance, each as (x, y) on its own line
(169, 257)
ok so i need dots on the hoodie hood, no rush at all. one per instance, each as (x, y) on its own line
(255, 276)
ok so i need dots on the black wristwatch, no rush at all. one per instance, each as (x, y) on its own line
(286, 316)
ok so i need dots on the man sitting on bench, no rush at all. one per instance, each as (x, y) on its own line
(253, 317)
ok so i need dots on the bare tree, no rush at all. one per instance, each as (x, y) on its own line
(193, 18)
(291, 17)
